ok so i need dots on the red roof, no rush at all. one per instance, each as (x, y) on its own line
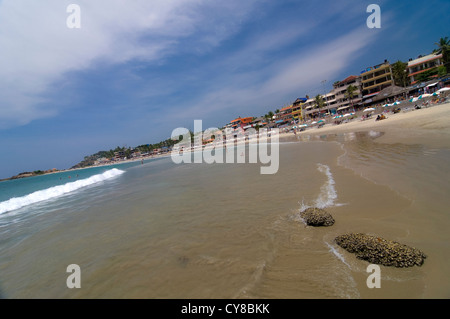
(286, 108)
(349, 79)
(242, 119)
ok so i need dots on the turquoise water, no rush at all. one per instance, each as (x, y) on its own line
(24, 186)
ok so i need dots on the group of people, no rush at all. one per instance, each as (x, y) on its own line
(380, 117)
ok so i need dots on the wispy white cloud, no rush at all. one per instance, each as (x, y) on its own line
(37, 48)
(271, 84)
(323, 61)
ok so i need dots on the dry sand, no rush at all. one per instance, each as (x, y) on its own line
(429, 126)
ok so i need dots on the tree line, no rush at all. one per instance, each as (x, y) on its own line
(124, 152)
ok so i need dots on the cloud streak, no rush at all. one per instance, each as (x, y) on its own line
(37, 49)
(292, 76)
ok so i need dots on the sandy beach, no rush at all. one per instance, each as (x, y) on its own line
(162, 230)
(429, 126)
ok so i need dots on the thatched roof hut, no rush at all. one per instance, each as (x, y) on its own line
(388, 92)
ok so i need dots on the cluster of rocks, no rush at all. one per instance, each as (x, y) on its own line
(317, 217)
(377, 250)
(373, 249)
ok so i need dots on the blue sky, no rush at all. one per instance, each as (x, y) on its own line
(136, 70)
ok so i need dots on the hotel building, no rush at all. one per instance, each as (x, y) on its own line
(340, 88)
(376, 78)
(297, 109)
(422, 64)
(240, 122)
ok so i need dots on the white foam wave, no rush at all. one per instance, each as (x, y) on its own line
(304, 206)
(337, 254)
(328, 192)
(55, 191)
(374, 134)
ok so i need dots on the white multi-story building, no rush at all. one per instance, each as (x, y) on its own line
(343, 101)
(422, 64)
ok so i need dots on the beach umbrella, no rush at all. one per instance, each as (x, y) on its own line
(370, 109)
(321, 121)
(396, 103)
(347, 115)
(434, 94)
(314, 122)
(304, 125)
(424, 96)
(443, 90)
(338, 116)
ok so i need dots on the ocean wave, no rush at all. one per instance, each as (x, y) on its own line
(327, 195)
(55, 191)
(337, 254)
(328, 192)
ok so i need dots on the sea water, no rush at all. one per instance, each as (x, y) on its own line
(162, 230)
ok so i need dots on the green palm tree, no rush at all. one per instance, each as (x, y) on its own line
(399, 72)
(444, 48)
(350, 93)
(319, 101)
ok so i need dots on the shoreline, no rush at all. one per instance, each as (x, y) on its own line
(423, 126)
(86, 167)
(411, 221)
(429, 126)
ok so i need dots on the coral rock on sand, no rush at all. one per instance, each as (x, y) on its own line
(377, 250)
(317, 217)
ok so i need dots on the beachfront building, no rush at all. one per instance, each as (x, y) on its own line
(422, 64)
(240, 122)
(297, 109)
(330, 102)
(343, 102)
(309, 109)
(136, 154)
(329, 106)
(120, 155)
(374, 79)
(258, 122)
(284, 116)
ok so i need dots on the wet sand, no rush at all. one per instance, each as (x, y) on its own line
(226, 231)
(429, 126)
(409, 155)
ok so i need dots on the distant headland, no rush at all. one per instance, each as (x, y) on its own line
(31, 174)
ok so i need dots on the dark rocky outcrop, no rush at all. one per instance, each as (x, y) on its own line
(317, 217)
(377, 250)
